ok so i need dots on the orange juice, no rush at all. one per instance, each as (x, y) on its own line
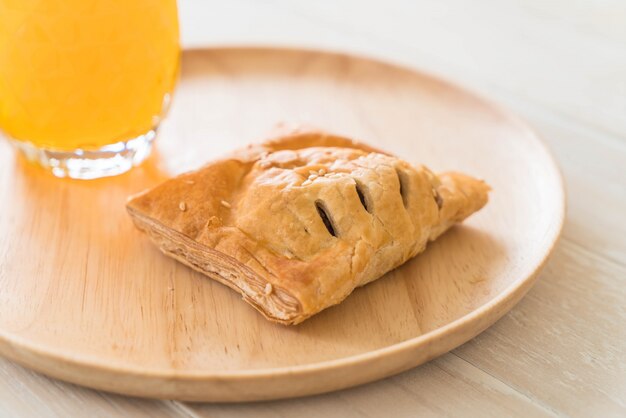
(83, 74)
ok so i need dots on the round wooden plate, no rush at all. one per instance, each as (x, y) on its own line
(86, 298)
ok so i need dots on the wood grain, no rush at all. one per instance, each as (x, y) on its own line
(100, 306)
(438, 37)
(569, 299)
(532, 362)
(24, 393)
(427, 391)
(565, 58)
(561, 347)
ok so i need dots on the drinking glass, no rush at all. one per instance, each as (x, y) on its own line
(85, 83)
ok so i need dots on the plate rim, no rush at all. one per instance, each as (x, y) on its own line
(18, 349)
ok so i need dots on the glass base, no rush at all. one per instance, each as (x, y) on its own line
(109, 160)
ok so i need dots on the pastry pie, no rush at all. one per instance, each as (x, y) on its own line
(296, 223)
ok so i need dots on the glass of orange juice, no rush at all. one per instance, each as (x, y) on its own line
(84, 83)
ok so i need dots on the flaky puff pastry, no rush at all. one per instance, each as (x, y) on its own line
(296, 223)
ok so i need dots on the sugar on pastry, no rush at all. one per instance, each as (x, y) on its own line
(296, 223)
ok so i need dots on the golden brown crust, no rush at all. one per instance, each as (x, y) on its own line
(296, 223)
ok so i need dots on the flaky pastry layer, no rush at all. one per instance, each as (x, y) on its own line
(296, 223)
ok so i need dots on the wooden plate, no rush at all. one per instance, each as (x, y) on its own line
(84, 297)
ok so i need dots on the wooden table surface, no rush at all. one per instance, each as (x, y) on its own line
(561, 65)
